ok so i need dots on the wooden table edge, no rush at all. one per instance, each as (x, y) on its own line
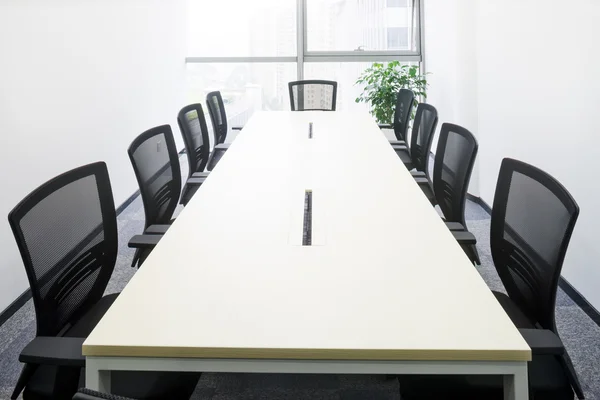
(308, 354)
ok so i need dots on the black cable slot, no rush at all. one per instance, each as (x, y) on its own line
(310, 130)
(307, 225)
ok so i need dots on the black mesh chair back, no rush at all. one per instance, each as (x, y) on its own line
(426, 120)
(405, 102)
(216, 109)
(192, 125)
(532, 221)
(156, 164)
(313, 95)
(454, 160)
(66, 231)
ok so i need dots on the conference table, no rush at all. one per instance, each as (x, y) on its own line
(309, 249)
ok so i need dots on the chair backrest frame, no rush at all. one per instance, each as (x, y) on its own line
(512, 259)
(218, 116)
(452, 197)
(302, 83)
(197, 155)
(405, 101)
(159, 205)
(79, 262)
(422, 136)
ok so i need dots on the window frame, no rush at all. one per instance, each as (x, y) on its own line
(303, 55)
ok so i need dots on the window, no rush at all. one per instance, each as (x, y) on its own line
(354, 25)
(397, 3)
(250, 50)
(397, 38)
(242, 28)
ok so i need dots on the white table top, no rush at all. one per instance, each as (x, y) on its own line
(384, 279)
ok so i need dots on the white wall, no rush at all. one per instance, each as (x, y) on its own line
(539, 99)
(450, 57)
(523, 75)
(78, 81)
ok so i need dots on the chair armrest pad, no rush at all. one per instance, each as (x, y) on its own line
(419, 174)
(222, 146)
(543, 341)
(385, 126)
(399, 147)
(421, 179)
(464, 237)
(200, 175)
(144, 241)
(195, 181)
(237, 128)
(156, 229)
(51, 350)
(455, 226)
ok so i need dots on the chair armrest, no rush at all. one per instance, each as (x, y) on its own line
(464, 237)
(419, 174)
(398, 142)
(385, 126)
(144, 241)
(399, 147)
(195, 181)
(237, 128)
(51, 350)
(200, 175)
(455, 226)
(156, 229)
(421, 179)
(222, 146)
(543, 342)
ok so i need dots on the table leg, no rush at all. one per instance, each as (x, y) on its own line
(96, 379)
(516, 386)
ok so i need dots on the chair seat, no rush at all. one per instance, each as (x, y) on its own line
(512, 310)
(139, 385)
(215, 156)
(42, 382)
(187, 193)
(428, 191)
(454, 226)
(86, 324)
(404, 155)
(547, 380)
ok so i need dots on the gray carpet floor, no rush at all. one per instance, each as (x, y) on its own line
(579, 333)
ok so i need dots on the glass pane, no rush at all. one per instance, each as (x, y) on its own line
(241, 28)
(345, 74)
(371, 25)
(245, 88)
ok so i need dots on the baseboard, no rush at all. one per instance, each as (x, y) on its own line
(581, 301)
(479, 200)
(15, 306)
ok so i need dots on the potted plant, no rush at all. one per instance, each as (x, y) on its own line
(381, 86)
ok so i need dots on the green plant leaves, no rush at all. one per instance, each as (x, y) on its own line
(382, 83)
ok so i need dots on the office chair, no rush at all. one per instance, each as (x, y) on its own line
(405, 101)
(66, 231)
(454, 160)
(533, 217)
(192, 125)
(218, 117)
(155, 162)
(313, 95)
(426, 119)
